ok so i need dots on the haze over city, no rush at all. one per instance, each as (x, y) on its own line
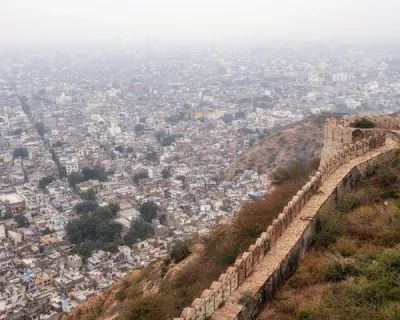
(45, 22)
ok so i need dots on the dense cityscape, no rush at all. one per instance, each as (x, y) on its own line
(107, 158)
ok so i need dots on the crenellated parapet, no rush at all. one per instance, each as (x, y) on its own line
(244, 265)
(340, 147)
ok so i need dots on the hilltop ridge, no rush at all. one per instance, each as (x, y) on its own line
(300, 141)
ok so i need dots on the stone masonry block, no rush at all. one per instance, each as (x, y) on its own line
(189, 314)
(240, 264)
(225, 281)
(233, 274)
(199, 306)
(284, 221)
(272, 236)
(248, 258)
(216, 286)
(208, 297)
(255, 250)
(261, 244)
(278, 228)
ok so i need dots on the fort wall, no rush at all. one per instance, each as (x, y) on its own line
(275, 255)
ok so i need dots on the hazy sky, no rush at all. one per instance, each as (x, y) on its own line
(23, 21)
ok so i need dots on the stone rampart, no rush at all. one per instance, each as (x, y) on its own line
(234, 280)
(341, 133)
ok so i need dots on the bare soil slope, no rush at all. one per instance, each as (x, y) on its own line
(300, 141)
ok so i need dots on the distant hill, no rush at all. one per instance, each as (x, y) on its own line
(301, 141)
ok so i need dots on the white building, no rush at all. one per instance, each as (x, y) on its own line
(2, 231)
(114, 129)
(339, 77)
(72, 166)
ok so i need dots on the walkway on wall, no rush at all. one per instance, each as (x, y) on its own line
(287, 241)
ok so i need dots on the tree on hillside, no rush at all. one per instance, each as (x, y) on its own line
(62, 171)
(40, 128)
(114, 207)
(173, 119)
(15, 132)
(47, 230)
(283, 175)
(166, 173)
(57, 144)
(74, 178)
(119, 148)
(180, 251)
(167, 140)
(240, 115)
(21, 152)
(139, 127)
(363, 123)
(140, 175)
(227, 118)
(90, 195)
(96, 230)
(45, 181)
(86, 206)
(94, 173)
(159, 135)
(25, 107)
(148, 211)
(21, 221)
(140, 230)
(152, 156)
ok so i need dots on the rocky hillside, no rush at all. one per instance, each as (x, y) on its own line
(300, 141)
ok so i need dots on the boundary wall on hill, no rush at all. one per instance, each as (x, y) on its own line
(337, 151)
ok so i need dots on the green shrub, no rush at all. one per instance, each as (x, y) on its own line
(388, 229)
(386, 177)
(363, 123)
(338, 268)
(370, 170)
(396, 163)
(345, 246)
(370, 195)
(391, 194)
(347, 203)
(390, 261)
(329, 228)
(121, 295)
(180, 251)
(305, 315)
(374, 293)
(229, 257)
(391, 311)
(246, 297)
(286, 307)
